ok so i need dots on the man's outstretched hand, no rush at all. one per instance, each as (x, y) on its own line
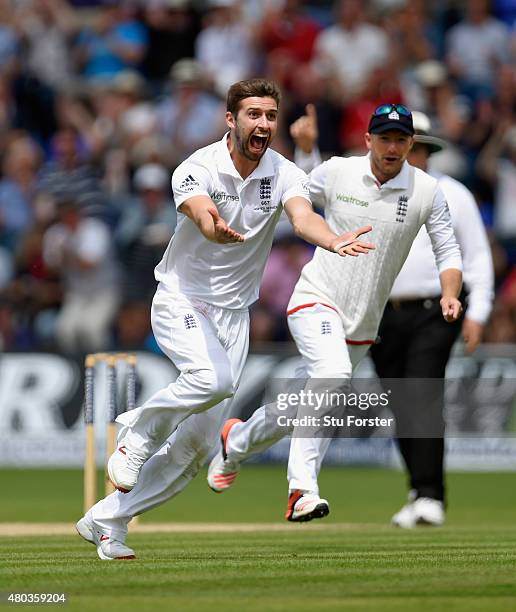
(223, 233)
(348, 243)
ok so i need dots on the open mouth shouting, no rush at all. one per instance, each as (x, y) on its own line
(391, 159)
(257, 143)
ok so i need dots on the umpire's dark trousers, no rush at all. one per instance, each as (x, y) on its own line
(415, 342)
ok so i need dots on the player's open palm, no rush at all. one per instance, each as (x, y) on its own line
(223, 233)
(349, 244)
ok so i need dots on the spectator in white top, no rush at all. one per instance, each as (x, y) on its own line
(414, 340)
(475, 49)
(351, 49)
(191, 116)
(80, 249)
(48, 27)
(225, 47)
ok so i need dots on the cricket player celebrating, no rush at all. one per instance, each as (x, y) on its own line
(230, 196)
(336, 308)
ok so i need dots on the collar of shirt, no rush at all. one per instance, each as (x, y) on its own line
(400, 181)
(225, 164)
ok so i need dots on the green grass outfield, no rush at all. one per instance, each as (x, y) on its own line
(352, 560)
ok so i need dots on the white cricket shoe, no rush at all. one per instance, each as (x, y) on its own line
(304, 506)
(108, 549)
(421, 511)
(428, 511)
(123, 469)
(222, 472)
(405, 518)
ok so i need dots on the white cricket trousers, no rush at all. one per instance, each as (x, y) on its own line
(320, 338)
(209, 346)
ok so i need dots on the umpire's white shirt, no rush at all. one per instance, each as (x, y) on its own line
(228, 275)
(358, 287)
(419, 278)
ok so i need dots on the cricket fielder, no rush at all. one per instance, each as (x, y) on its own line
(230, 196)
(336, 308)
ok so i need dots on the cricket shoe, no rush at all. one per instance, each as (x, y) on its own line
(428, 511)
(222, 472)
(422, 511)
(405, 518)
(108, 549)
(304, 506)
(123, 468)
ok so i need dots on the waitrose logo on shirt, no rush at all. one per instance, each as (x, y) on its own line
(221, 196)
(351, 200)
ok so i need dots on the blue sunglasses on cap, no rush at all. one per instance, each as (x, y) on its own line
(385, 109)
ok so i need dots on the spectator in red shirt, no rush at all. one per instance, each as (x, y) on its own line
(287, 37)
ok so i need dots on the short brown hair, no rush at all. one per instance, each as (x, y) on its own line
(259, 88)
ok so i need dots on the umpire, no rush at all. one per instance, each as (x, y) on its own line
(415, 341)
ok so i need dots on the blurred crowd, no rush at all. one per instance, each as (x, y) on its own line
(100, 101)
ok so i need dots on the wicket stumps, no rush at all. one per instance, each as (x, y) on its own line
(111, 360)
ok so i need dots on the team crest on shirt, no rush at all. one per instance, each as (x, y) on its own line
(401, 209)
(325, 328)
(265, 205)
(190, 321)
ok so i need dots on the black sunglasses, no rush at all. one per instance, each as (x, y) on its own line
(385, 109)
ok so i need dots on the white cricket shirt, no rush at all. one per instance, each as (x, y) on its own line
(358, 287)
(419, 278)
(228, 275)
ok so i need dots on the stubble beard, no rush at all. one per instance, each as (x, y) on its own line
(242, 147)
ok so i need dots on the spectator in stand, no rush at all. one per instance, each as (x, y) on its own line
(173, 26)
(144, 230)
(310, 88)
(34, 294)
(131, 114)
(287, 37)
(79, 248)
(475, 48)
(500, 171)
(191, 116)
(18, 189)
(413, 36)
(117, 42)
(434, 92)
(489, 113)
(224, 46)
(351, 49)
(69, 174)
(381, 84)
(48, 28)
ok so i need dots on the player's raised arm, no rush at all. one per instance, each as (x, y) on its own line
(203, 212)
(311, 227)
(305, 134)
